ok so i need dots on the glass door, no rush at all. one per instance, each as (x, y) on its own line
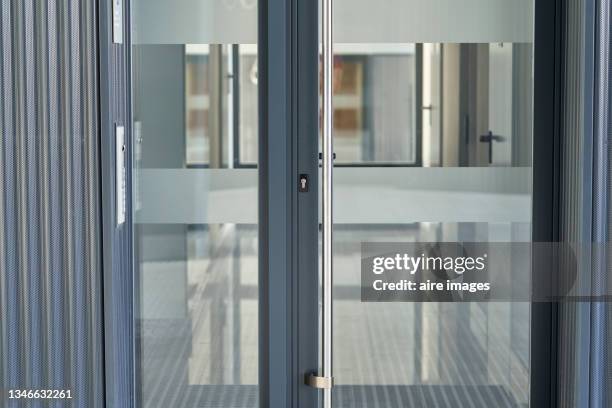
(195, 125)
(432, 122)
(433, 135)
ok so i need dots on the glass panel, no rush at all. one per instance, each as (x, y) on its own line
(433, 21)
(194, 167)
(238, 106)
(439, 151)
(365, 104)
(390, 106)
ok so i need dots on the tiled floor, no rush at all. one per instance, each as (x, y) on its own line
(199, 331)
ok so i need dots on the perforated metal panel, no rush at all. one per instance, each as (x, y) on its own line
(585, 364)
(576, 163)
(600, 357)
(50, 314)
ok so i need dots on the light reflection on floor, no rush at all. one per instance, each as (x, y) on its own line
(198, 338)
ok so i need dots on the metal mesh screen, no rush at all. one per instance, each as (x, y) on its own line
(605, 133)
(575, 204)
(585, 366)
(50, 277)
(600, 380)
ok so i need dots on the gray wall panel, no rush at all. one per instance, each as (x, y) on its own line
(575, 206)
(600, 381)
(585, 373)
(50, 269)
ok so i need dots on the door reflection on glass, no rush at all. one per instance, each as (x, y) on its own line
(433, 143)
(433, 136)
(195, 166)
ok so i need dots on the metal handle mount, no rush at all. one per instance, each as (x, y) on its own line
(319, 382)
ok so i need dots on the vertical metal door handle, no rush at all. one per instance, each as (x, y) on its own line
(324, 379)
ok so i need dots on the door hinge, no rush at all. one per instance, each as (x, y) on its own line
(117, 21)
(120, 174)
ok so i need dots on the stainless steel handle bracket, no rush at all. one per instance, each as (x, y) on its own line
(318, 382)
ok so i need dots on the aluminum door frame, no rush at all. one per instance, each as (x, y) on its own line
(287, 237)
(288, 100)
(547, 118)
(288, 253)
(117, 254)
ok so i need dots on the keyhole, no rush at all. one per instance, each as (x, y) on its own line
(303, 181)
